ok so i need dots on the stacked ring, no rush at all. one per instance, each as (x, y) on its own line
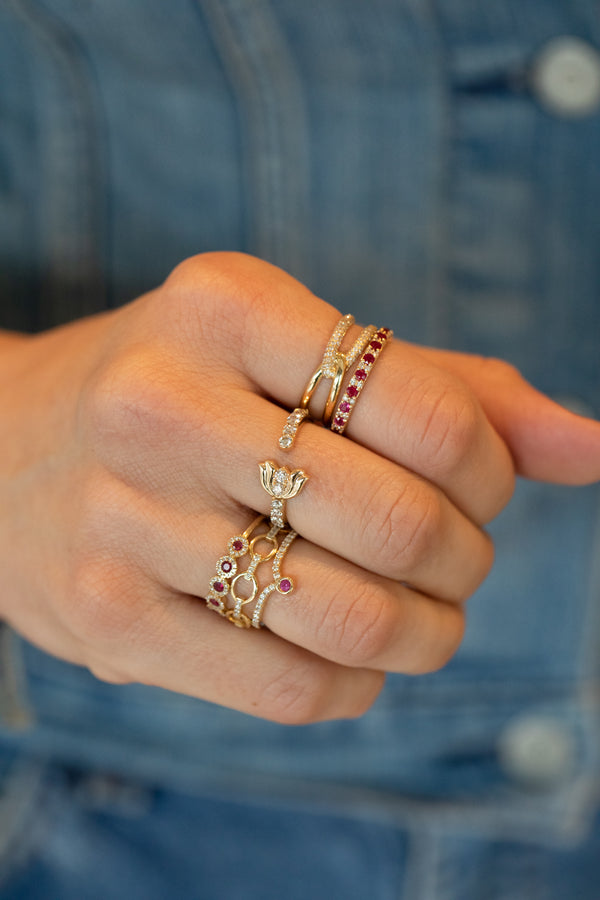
(359, 379)
(224, 584)
(282, 484)
(334, 365)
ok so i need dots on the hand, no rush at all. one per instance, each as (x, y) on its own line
(131, 444)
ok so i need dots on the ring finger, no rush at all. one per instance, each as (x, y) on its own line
(337, 610)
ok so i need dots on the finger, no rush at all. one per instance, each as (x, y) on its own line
(356, 504)
(134, 631)
(339, 611)
(344, 614)
(365, 508)
(360, 506)
(547, 441)
(412, 411)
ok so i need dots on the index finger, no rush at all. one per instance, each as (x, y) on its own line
(413, 412)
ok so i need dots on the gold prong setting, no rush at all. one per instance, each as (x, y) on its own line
(231, 590)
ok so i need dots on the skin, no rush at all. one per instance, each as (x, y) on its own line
(131, 444)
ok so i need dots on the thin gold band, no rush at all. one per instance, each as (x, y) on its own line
(359, 378)
(334, 366)
(223, 587)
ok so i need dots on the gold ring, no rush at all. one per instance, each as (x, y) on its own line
(334, 365)
(359, 379)
(281, 484)
(224, 584)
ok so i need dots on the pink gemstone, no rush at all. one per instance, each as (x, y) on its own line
(214, 601)
(368, 358)
(352, 391)
(376, 345)
(219, 587)
(237, 546)
(344, 406)
(285, 585)
(226, 566)
(360, 375)
(339, 421)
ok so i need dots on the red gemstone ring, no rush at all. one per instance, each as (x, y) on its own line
(359, 379)
(223, 595)
(333, 366)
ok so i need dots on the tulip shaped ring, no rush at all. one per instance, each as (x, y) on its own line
(281, 485)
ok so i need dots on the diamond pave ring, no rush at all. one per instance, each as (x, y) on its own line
(281, 484)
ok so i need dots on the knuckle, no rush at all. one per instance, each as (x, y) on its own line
(435, 659)
(133, 403)
(449, 427)
(497, 370)
(231, 293)
(486, 556)
(108, 673)
(102, 612)
(187, 272)
(407, 526)
(218, 267)
(298, 695)
(219, 289)
(365, 695)
(361, 627)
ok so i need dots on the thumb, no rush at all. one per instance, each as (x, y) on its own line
(547, 441)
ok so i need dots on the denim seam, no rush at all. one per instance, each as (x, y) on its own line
(15, 708)
(270, 102)
(19, 815)
(422, 859)
(73, 223)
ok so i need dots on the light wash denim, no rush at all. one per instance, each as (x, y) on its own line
(394, 156)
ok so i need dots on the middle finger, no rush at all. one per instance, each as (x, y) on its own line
(359, 506)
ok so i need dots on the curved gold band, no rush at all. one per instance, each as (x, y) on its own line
(334, 366)
(336, 386)
(359, 378)
(224, 585)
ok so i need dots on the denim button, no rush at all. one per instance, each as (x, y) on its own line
(537, 751)
(566, 77)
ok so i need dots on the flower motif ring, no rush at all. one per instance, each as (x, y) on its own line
(281, 484)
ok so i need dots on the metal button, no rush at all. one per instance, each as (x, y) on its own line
(537, 751)
(566, 77)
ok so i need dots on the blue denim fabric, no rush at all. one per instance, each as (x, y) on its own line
(393, 156)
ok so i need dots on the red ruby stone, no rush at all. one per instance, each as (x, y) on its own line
(285, 585)
(382, 334)
(237, 546)
(226, 566)
(339, 421)
(360, 375)
(376, 345)
(219, 587)
(368, 358)
(214, 601)
(352, 391)
(344, 406)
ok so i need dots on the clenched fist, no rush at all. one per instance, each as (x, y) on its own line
(130, 451)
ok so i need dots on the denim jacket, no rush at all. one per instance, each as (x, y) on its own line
(421, 165)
